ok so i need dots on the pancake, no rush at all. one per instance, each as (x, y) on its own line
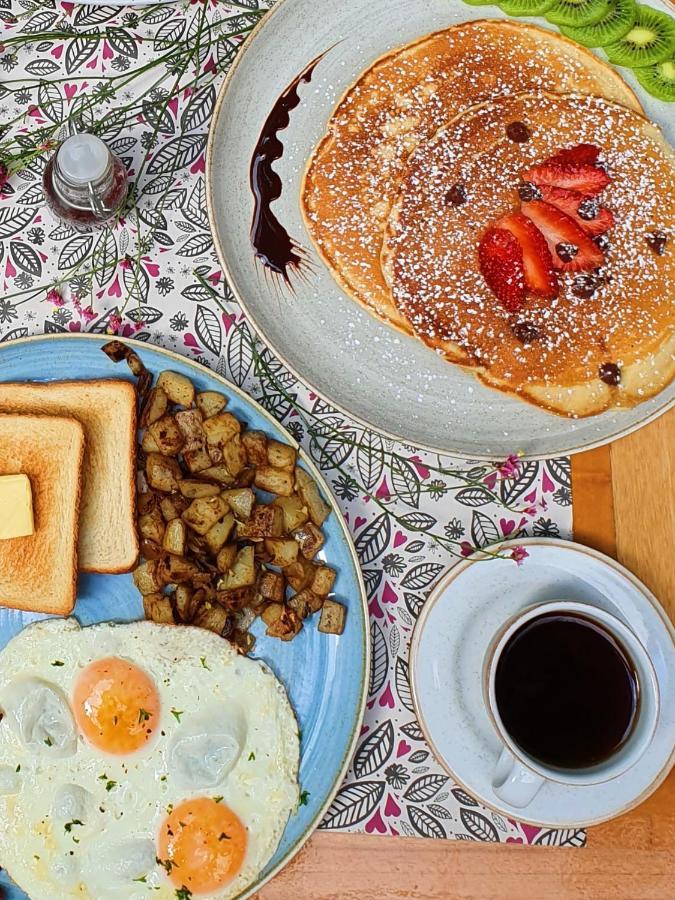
(404, 98)
(431, 255)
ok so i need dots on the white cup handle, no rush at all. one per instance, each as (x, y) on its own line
(513, 782)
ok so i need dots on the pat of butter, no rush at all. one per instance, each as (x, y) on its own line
(16, 507)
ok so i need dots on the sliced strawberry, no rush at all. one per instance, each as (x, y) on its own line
(581, 177)
(570, 202)
(540, 277)
(501, 262)
(582, 153)
(571, 249)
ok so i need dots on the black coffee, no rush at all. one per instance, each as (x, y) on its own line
(566, 691)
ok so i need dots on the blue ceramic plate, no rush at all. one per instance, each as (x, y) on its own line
(325, 675)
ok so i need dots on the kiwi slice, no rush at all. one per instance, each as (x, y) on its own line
(659, 79)
(650, 40)
(525, 7)
(481, 2)
(618, 22)
(578, 12)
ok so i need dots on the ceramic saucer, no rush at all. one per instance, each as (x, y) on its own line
(449, 645)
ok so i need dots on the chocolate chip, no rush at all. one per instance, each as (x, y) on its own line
(526, 332)
(610, 373)
(518, 132)
(588, 210)
(528, 191)
(657, 241)
(585, 286)
(566, 252)
(456, 196)
(601, 241)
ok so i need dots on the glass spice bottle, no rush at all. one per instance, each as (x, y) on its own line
(84, 183)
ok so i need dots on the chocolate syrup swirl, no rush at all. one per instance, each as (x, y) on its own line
(273, 245)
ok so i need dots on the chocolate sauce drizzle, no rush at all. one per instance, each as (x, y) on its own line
(273, 245)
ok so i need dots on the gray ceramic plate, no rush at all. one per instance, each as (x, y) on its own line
(385, 380)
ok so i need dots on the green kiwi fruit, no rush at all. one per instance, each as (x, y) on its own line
(525, 7)
(659, 79)
(618, 22)
(481, 2)
(649, 41)
(578, 12)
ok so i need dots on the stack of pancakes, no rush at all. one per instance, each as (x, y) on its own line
(435, 114)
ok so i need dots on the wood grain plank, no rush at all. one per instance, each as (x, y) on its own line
(593, 503)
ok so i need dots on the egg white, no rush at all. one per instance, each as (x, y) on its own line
(226, 730)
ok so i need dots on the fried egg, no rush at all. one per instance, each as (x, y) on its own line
(140, 761)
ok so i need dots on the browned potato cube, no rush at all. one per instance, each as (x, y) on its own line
(203, 513)
(236, 599)
(210, 403)
(243, 641)
(218, 473)
(215, 453)
(190, 423)
(211, 616)
(176, 569)
(242, 573)
(184, 603)
(150, 549)
(255, 444)
(272, 613)
(197, 460)
(162, 472)
(154, 407)
(310, 538)
(221, 428)
(311, 497)
(305, 603)
(294, 510)
(146, 502)
(195, 488)
(146, 577)
(157, 608)
(332, 619)
(149, 444)
(226, 557)
(175, 537)
(272, 586)
(167, 435)
(173, 506)
(324, 578)
(151, 526)
(234, 455)
(264, 522)
(281, 456)
(301, 574)
(241, 502)
(246, 477)
(177, 388)
(283, 551)
(275, 481)
(286, 626)
(219, 533)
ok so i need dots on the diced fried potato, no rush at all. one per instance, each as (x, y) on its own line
(246, 477)
(155, 406)
(197, 460)
(275, 481)
(167, 435)
(243, 641)
(324, 577)
(157, 608)
(226, 557)
(272, 587)
(210, 403)
(203, 513)
(146, 502)
(236, 599)
(173, 506)
(176, 569)
(283, 551)
(215, 453)
(311, 497)
(272, 613)
(310, 538)
(150, 549)
(264, 522)
(175, 537)
(294, 510)
(281, 456)
(211, 616)
(149, 444)
(234, 455)
(195, 488)
(241, 500)
(305, 603)
(162, 472)
(221, 428)
(190, 423)
(301, 574)
(333, 617)
(255, 444)
(242, 573)
(151, 525)
(286, 625)
(184, 604)
(146, 577)
(219, 533)
(177, 388)
(218, 473)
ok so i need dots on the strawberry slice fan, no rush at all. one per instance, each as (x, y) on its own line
(560, 228)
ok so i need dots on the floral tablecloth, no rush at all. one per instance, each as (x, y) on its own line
(145, 80)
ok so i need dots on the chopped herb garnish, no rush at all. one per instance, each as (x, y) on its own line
(169, 808)
(224, 837)
(163, 778)
(143, 715)
(251, 756)
(115, 720)
(48, 741)
(69, 825)
(182, 824)
(168, 864)
(142, 879)
(58, 662)
(18, 768)
(109, 785)
(76, 840)
(183, 893)
(177, 713)
(35, 856)
(202, 660)
(218, 799)
(304, 797)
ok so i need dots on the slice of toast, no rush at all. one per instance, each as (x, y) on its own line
(107, 411)
(39, 572)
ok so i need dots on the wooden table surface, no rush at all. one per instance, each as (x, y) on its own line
(624, 505)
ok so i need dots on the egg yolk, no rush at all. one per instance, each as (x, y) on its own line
(202, 844)
(116, 705)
